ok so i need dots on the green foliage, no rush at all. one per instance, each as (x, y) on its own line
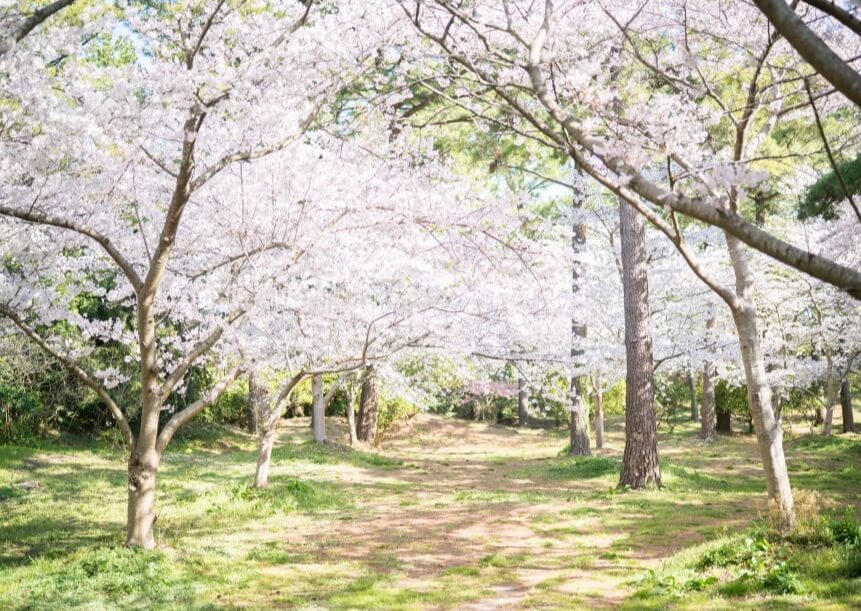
(823, 195)
(392, 410)
(764, 562)
(286, 496)
(107, 577)
(22, 412)
(231, 407)
(614, 399)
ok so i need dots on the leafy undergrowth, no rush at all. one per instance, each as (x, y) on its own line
(820, 562)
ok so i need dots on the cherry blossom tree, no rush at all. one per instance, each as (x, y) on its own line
(124, 169)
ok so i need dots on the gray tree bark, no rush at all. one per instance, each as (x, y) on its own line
(366, 429)
(769, 433)
(579, 419)
(640, 466)
(318, 408)
(522, 403)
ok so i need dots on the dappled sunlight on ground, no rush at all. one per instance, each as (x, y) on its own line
(447, 514)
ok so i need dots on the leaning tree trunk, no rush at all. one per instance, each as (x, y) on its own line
(599, 412)
(846, 406)
(708, 426)
(522, 403)
(692, 389)
(769, 434)
(318, 409)
(640, 467)
(369, 400)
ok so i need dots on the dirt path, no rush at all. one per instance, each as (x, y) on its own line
(466, 498)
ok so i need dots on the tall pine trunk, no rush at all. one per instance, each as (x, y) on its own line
(708, 426)
(640, 466)
(769, 433)
(318, 409)
(366, 429)
(846, 406)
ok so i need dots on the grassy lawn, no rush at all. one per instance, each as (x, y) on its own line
(449, 514)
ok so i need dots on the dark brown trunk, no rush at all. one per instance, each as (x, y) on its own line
(723, 418)
(846, 407)
(640, 466)
(366, 429)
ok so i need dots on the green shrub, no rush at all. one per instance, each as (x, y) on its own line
(393, 410)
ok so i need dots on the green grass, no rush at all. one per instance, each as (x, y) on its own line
(346, 529)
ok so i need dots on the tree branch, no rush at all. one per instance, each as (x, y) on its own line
(812, 48)
(102, 240)
(180, 418)
(82, 375)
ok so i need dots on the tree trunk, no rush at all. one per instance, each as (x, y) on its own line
(769, 433)
(366, 429)
(351, 416)
(264, 457)
(640, 466)
(522, 403)
(265, 430)
(256, 395)
(846, 406)
(143, 467)
(692, 388)
(831, 398)
(318, 409)
(599, 413)
(579, 422)
(579, 419)
(708, 427)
